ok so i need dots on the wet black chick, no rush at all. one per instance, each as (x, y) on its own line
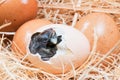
(45, 43)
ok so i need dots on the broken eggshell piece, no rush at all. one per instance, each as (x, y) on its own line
(71, 48)
(23, 34)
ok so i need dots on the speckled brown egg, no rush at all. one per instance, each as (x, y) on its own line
(104, 27)
(17, 12)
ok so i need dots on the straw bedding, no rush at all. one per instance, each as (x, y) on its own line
(97, 67)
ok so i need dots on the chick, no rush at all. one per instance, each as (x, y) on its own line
(45, 43)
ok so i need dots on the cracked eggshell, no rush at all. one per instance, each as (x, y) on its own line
(105, 28)
(22, 35)
(72, 52)
(17, 12)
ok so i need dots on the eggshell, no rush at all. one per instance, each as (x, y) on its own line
(29, 26)
(105, 29)
(72, 51)
(17, 12)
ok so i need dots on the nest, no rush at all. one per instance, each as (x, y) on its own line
(97, 67)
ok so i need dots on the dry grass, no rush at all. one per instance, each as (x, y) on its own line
(97, 67)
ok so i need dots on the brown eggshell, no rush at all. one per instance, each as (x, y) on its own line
(105, 28)
(71, 53)
(29, 26)
(17, 12)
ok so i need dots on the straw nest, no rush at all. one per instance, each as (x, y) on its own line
(66, 12)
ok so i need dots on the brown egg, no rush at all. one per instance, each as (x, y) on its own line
(17, 12)
(54, 48)
(105, 28)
